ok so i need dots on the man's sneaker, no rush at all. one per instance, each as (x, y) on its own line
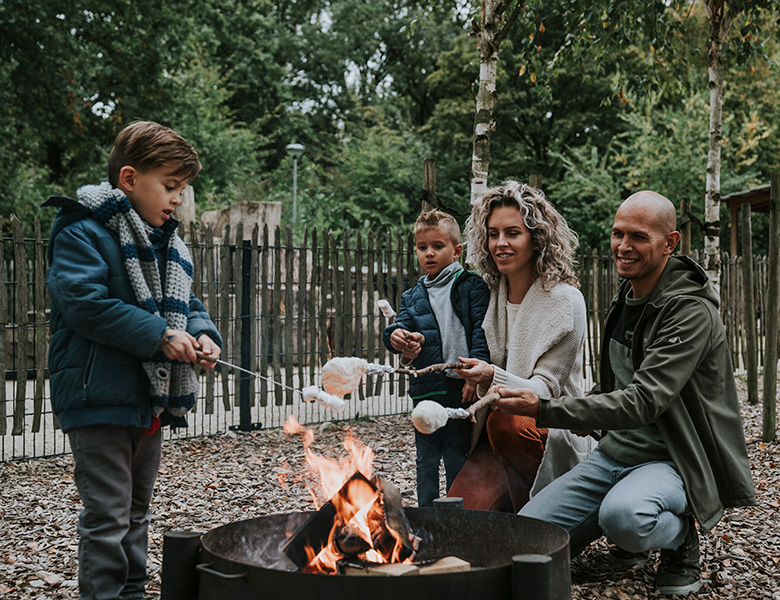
(624, 558)
(679, 571)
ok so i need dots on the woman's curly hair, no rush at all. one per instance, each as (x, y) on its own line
(555, 244)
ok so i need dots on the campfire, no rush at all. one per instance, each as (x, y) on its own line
(359, 523)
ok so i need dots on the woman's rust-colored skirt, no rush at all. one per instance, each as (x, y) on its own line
(501, 469)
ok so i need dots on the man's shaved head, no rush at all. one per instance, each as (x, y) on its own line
(643, 238)
(660, 208)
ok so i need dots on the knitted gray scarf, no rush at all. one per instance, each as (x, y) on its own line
(174, 385)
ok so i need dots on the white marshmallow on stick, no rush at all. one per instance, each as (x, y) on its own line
(313, 393)
(342, 375)
(386, 309)
(429, 416)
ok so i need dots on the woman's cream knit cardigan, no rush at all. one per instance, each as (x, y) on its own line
(542, 353)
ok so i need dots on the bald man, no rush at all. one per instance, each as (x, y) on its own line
(674, 449)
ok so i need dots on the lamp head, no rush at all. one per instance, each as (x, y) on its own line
(295, 150)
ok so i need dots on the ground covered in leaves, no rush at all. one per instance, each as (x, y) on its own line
(208, 482)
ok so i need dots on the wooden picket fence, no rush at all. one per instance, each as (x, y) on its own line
(283, 309)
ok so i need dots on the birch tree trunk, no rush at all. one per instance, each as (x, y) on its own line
(715, 16)
(484, 124)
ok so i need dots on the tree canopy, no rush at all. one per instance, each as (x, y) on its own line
(600, 98)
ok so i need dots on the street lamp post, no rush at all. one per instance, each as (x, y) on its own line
(296, 151)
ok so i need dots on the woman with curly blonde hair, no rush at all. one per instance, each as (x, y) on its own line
(535, 329)
(554, 242)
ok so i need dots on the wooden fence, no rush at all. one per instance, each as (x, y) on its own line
(283, 310)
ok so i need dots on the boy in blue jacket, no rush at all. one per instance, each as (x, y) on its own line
(125, 329)
(440, 319)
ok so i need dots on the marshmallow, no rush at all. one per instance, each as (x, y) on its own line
(429, 416)
(310, 393)
(386, 309)
(342, 375)
(330, 401)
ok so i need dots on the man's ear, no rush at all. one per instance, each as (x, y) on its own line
(127, 178)
(671, 241)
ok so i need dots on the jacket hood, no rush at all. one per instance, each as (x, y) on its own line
(71, 210)
(681, 276)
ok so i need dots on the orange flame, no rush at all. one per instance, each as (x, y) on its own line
(358, 505)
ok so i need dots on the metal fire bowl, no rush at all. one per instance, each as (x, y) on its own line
(234, 559)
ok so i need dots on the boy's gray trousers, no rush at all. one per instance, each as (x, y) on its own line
(115, 470)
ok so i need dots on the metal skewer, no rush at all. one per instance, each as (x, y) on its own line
(219, 361)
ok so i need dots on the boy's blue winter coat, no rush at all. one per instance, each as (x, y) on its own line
(470, 296)
(99, 336)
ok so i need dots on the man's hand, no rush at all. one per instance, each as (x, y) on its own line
(408, 343)
(480, 372)
(208, 347)
(179, 345)
(516, 401)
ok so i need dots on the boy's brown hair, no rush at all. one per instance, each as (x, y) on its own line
(436, 219)
(146, 145)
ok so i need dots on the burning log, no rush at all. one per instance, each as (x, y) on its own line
(334, 531)
(349, 541)
(448, 564)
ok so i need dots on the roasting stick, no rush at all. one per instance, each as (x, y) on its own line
(309, 393)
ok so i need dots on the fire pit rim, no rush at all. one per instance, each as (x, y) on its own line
(551, 532)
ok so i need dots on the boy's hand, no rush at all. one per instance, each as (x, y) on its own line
(208, 347)
(469, 393)
(408, 343)
(179, 345)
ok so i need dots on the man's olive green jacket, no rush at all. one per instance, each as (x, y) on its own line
(684, 382)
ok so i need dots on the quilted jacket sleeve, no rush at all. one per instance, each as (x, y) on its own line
(479, 298)
(94, 298)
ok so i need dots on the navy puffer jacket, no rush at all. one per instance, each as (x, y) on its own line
(99, 335)
(470, 296)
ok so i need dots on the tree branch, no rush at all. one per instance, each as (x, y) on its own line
(509, 22)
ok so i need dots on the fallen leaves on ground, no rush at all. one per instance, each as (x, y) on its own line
(208, 482)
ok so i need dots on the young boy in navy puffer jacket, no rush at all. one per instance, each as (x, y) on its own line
(440, 320)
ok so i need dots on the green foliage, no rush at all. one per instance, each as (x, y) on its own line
(589, 192)
(602, 98)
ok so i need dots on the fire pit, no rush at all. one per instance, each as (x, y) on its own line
(511, 558)
(361, 543)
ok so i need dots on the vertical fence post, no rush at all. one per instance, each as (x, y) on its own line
(39, 306)
(266, 331)
(22, 325)
(245, 379)
(289, 312)
(223, 319)
(749, 314)
(685, 226)
(770, 351)
(3, 333)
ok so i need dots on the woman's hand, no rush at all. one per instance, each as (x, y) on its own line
(516, 401)
(479, 373)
